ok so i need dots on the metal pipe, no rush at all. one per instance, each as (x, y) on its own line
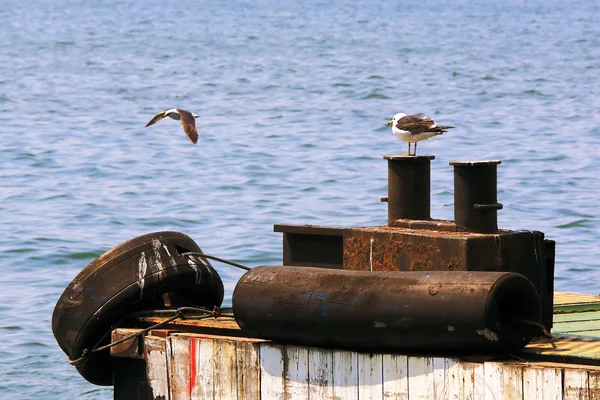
(387, 310)
(409, 187)
(475, 195)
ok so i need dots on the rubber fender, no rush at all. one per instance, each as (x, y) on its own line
(126, 279)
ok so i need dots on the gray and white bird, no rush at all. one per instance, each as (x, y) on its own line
(413, 129)
(187, 121)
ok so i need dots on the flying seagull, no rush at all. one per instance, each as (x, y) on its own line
(413, 129)
(187, 121)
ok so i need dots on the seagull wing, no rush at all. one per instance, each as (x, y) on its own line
(189, 125)
(415, 125)
(156, 118)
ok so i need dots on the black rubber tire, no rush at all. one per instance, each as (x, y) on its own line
(126, 279)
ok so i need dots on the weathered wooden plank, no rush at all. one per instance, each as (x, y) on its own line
(370, 376)
(503, 381)
(215, 326)
(472, 380)
(248, 370)
(564, 299)
(493, 381)
(345, 375)
(453, 380)
(128, 349)
(420, 378)
(272, 377)
(395, 377)
(187, 367)
(203, 367)
(576, 384)
(179, 367)
(542, 383)
(155, 353)
(573, 322)
(533, 383)
(576, 316)
(512, 382)
(553, 384)
(225, 375)
(594, 384)
(296, 372)
(320, 373)
(439, 378)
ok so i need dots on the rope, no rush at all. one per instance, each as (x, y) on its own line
(194, 253)
(179, 313)
(541, 328)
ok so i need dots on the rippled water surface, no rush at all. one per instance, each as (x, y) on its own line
(293, 99)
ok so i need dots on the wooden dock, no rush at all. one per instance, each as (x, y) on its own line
(189, 361)
(194, 366)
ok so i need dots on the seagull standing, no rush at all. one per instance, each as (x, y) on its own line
(187, 121)
(413, 129)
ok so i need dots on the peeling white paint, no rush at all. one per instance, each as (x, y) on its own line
(156, 374)
(142, 267)
(488, 334)
(156, 245)
(193, 264)
(208, 268)
(450, 328)
(379, 324)
(171, 259)
(204, 262)
(265, 370)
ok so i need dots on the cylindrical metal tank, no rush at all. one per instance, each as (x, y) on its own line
(461, 311)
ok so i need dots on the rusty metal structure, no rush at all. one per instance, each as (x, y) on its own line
(413, 241)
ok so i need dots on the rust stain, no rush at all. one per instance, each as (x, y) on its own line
(400, 250)
(356, 255)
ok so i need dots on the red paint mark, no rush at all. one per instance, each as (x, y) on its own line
(192, 365)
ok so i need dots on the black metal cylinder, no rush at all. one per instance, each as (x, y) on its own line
(476, 195)
(409, 187)
(387, 310)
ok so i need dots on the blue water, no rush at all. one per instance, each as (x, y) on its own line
(293, 98)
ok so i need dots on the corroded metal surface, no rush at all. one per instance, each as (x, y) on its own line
(385, 248)
(389, 249)
(409, 187)
(475, 195)
(366, 310)
(395, 249)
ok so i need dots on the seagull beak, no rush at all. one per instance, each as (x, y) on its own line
(390, 122)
